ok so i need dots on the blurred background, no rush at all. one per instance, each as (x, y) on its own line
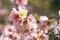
(49, 8)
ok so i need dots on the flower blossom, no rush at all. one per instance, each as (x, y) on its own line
(43, 37)
(39, 35)
(57, 29)
(32, 22)
(27, 36)
(22, 11)
(14, 15)
(42, 19)
(22, 2)
(9, 29)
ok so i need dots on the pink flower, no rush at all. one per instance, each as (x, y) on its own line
(9, 29)
(21, 2)
(22, 11)
(1, 28)
(42, 20)
(12, 1)
(43, 37)
(59, 12)
(27, 36)
(31, 19)
(32, 22)
(3, 12)
(57, 29)
(14, 17)
(21, 36)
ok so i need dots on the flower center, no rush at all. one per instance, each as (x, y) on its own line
(21, 13)
(16, 16)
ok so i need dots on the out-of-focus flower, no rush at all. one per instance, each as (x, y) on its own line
(43, 37)
(53, 23)
(25, 24)
(12, 1)
(35, 35)
(3, 12)
(17, 35)
(9, 29)
(59, 12)
(21, 36)
(31, 19)
(43, 20)
(7, 38)
(32, 22)
(0, 3)
(57, 29)
(14, 15)
(22, 11)
(27, 37)
(40, 32)
(22, 2)
(1, 28)
(18, 16)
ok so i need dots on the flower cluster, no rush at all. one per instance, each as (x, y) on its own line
(26, 27)
(10, 33)
(23, 21)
